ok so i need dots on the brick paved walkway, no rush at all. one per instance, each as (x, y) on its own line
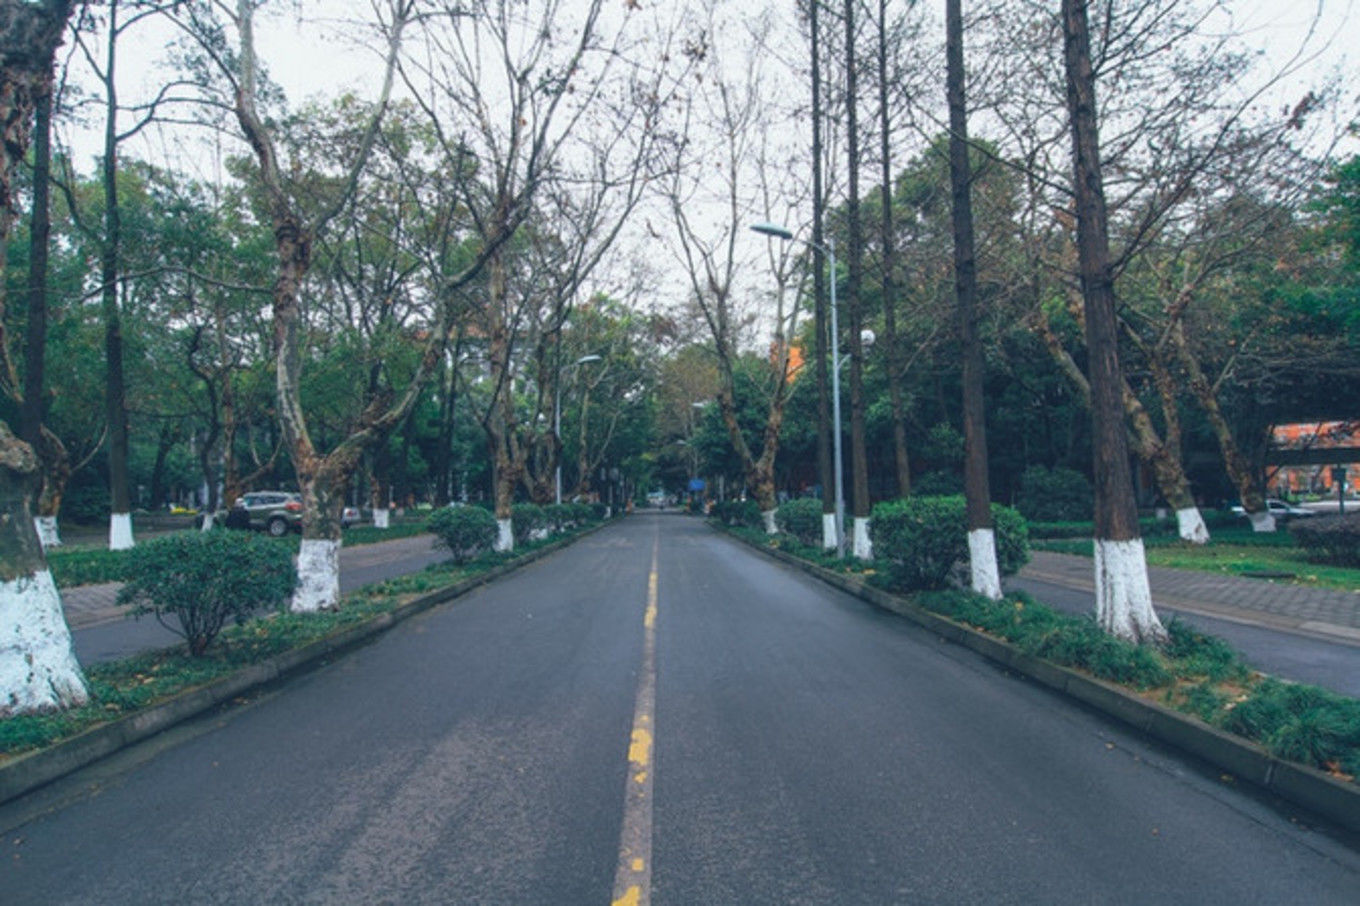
(1266, 602)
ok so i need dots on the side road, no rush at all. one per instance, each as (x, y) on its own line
(1318, 612)
(1308, 635)
(102, 632)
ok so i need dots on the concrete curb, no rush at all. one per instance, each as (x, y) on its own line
(1335, 800)
(28, 772)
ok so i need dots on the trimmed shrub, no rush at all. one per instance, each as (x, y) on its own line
(581, 513)
(923, 541)
(1333, 540)
(528, 521)
(599, 511)
(206, 578)
(465, 531)
(558, 517)
(801, 518)
(738, 513)
(1054, 495)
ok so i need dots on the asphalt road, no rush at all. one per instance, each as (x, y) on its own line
(800, 748)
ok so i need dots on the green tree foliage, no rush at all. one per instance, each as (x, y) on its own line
(1054, 495)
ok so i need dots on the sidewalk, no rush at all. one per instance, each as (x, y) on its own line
(1334, 615)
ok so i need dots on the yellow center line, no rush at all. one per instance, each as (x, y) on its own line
(633, 876)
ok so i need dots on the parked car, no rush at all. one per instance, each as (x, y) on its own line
(1280, 509)
(276, 512)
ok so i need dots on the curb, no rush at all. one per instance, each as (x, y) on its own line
(28, 772)
(1307, 787)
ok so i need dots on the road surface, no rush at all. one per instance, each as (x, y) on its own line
(657, 714)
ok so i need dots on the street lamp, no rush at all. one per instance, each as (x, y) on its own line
(779, 232)
(557, 423)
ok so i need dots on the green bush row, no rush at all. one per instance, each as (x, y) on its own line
(739, 513)
(1333, 540)
(922, 542)
(468, 532)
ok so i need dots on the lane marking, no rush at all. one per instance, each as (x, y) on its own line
(633, 874)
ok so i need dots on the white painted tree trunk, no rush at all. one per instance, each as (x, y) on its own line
(120, 531)
(982, 563)
(382, 518)
(829, 531)
(1191, 525)
(1123, 597)
(318, 573)
(505, 535)
(1262, 522)
(38, 669)
(864, 548)
(767, 516)
(48, 532)
(207, 522)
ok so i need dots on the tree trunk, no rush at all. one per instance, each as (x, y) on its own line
(115, 393)
(52, 456)
(830, 530)
(859, 458)
(500, 423)
(986, 576)
(1123, 598)
(38, 669)
(1234, 460)
(892, 354)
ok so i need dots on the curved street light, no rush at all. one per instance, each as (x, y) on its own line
(557, 421)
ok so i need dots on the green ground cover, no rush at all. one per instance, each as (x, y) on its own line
(1237, 551)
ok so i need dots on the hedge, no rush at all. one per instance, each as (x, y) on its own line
(801, 518)
(1334, 540)
(923, 541)
(204, 579)
(466, 532)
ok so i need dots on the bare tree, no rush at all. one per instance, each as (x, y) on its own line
(734, 151)
(322, 477)
(854, 304)
(510, 98)
(986, 575)
(1123, 597)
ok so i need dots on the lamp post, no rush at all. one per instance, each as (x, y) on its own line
(779, 232)
(557, 424)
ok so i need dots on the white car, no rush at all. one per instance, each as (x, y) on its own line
(1279, 509)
